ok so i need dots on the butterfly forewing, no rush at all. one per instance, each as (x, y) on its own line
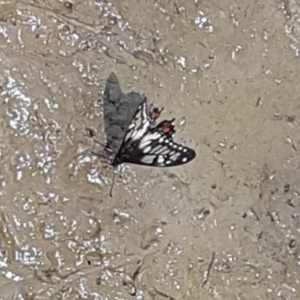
(139, 124)
(135, 131)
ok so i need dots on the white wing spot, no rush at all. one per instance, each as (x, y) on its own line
(149, 137)
(175, 156)
(180, 148)
(160, 159)
(185, 150)
(144, 144)
(147, 159)
(147, 149)
(161, 150)
(166, 152)
(184, 159)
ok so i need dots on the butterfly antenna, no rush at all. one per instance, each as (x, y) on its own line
(113, 184)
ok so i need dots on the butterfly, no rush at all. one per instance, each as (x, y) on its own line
(147, 144)
(133, 135)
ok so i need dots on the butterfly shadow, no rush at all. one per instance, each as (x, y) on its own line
(118, 111)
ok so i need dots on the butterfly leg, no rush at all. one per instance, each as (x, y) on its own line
(91, 133)
(97, 142)
(104, 157)
(119, 174)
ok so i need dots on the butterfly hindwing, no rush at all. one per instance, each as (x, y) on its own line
(158, 149)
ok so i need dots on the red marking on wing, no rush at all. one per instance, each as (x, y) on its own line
(155, 112)
(166, 127)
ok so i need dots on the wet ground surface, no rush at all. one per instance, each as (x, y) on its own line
(225, 226)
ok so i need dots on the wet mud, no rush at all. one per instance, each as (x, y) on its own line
(224, 226)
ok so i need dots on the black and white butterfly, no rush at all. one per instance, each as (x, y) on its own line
(132, 135)
(145, 144)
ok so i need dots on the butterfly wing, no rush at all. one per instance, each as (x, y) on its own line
(157, 148)
(137, 128)
(139, 124)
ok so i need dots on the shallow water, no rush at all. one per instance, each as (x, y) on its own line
(225, 226)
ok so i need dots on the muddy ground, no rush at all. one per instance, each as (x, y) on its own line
(225, 226)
